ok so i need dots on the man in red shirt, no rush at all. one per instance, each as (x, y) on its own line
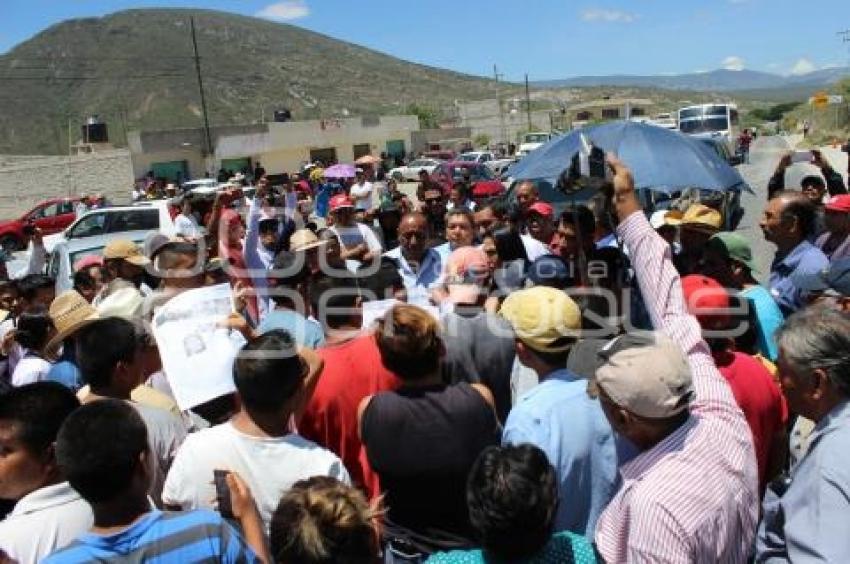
(353, 370)
(754, 389)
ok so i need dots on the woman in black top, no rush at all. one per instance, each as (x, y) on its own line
(423, 438)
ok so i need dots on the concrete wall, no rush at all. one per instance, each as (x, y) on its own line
(422, 139)
(27, 180)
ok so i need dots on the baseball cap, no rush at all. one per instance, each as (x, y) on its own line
(466, 269)
(126, 250)
(549, 270)
(542, 317)
(340, 201)
(646, 373)
(541, 208)
(735, 247)
(697, 216)
(840, 203)
(706, 299)
(833, 280)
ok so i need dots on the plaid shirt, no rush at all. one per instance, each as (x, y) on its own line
(693, 497)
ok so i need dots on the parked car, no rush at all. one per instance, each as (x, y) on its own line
(531, 141)
(51, 216)
(439, 154)
(131, 221)
(411, 171)
(484, 182)
(489, 159)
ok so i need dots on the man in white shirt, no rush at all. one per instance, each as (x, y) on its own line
(358, 244)
(185, 224)
(361, 192)
(48, 514)
(273, 381)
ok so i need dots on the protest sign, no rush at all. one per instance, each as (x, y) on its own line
(197, 355)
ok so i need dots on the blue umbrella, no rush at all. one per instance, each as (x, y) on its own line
(660, 159)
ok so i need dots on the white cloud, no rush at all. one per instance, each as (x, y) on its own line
(733, 63)
(603, 15)
(803, 66)
(285, 11)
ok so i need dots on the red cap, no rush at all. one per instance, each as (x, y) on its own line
(706, 299)
(542, 208)
(340, 201)
(839, 203)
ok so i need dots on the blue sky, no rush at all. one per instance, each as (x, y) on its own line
(546, 38)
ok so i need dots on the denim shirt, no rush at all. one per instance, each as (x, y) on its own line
(804, 259)
(808, 522)
(560, 418)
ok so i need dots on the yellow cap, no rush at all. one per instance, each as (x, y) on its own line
(541, 316)
(127, 250)
(697, 215)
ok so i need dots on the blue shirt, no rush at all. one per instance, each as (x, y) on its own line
(804, 259)
(562, 548)
(66, 373)
(418, 281)
(161, 538)
(306, 332)
(768, 319)
(560, 418)
(809, 522)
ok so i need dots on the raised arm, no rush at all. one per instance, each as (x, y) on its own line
(252, 236)
(661, 289)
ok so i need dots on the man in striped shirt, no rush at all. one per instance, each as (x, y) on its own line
(692, 493)
(103, 450)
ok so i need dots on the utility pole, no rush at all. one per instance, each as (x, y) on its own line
(209, 147)
(502, 132)
(527, 103)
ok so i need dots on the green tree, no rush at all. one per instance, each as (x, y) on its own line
(481, 140)
(428, 117)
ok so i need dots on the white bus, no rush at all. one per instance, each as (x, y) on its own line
(711, 120)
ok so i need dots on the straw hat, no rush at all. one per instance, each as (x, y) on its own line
(304, 240)
(69, 312)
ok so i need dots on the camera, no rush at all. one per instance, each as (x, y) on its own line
(29, 230)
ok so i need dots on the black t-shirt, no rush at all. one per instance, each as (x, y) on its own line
(422, 442)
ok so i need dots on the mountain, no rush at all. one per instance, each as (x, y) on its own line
(135, 70)
(716, 81)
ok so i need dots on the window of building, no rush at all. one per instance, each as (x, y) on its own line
(362, 150)
(610, 113)
(584, 116)
(638, 112)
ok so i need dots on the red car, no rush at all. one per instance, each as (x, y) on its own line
(483, 182)
(51, 216)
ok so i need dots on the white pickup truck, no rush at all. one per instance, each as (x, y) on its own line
(531, 141)
(487, 158)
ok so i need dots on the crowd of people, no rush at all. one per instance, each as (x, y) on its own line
(454, 380)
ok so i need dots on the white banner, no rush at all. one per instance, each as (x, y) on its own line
(197, 355)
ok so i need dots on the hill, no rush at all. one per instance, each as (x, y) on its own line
(135, 69)
(716, 81)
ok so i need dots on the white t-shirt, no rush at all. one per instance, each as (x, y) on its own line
(270, 466)
(362, 195)
(186, 226)
(165, 434)
(44, 521)
(30, 369)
